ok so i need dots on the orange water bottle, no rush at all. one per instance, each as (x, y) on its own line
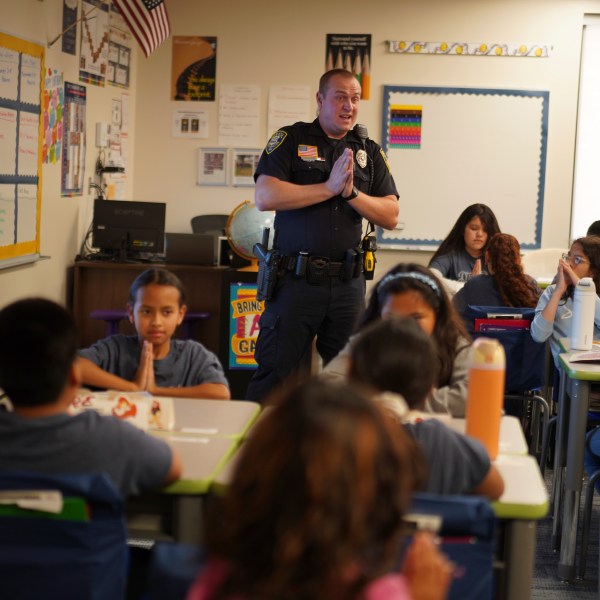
(485, 396)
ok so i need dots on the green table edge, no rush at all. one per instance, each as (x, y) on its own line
(522, 512)
(202, 486)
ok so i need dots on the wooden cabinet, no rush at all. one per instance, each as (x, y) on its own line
(105, 285)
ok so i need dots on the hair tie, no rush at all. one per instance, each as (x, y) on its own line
(426, 279)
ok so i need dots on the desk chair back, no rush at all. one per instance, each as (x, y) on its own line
(525, 358)
(74, 556)
(468, 531)
(214, 224)
(525, 372)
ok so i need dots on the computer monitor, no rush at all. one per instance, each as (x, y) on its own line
(128, 228)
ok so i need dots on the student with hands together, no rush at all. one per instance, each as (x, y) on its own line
(461, 255)
(152, 361)
(554, 312)
(321, 179)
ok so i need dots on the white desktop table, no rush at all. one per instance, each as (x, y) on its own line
(512, 439)
(214, 418)
(524, 501)
(207, 435)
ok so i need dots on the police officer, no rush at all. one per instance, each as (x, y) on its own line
(322, 179)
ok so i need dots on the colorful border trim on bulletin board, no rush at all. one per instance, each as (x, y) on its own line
(470, 49)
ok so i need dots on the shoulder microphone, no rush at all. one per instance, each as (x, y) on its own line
(361, 133)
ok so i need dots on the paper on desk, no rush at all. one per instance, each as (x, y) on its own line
(50, 501)
(139, 408)
(590, 356)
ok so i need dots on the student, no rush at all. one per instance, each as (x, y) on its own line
(462, 254)
(395, 355)
(506, 284)
(554, 311)
(315, 508)
(151, 360)
(39, 372)
(411, 290)
(594, 229)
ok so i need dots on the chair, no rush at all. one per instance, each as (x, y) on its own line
(214, 224)
(79, 554)
(525, 371)
(173, 568)
(467, 528)
(541, 264)
(587, 509)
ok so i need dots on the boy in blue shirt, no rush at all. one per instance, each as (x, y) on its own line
(39, 372)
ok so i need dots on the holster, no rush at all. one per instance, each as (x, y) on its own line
(267, 275)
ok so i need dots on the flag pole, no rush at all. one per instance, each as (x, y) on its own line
(83, 16)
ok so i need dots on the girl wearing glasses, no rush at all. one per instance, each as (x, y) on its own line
(554, 312)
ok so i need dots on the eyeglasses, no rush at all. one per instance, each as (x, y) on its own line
(574, 258)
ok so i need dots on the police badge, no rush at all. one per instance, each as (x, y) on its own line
(361, 159)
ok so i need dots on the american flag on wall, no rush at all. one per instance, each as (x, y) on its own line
(148, 21)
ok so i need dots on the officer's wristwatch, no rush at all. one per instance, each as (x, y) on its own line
(352, 195)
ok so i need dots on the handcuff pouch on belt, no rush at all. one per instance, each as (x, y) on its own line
(317, 270)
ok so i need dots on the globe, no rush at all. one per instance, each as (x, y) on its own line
(245, 228)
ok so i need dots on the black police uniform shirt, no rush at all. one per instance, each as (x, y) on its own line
(303, 154)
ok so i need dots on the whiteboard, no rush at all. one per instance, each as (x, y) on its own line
(464, 145)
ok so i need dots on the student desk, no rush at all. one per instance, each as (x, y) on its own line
(512, 439)
(207, 435)
(573, 403)
(524, 501)
(214, 418)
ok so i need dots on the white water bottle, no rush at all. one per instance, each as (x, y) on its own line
(584, 305)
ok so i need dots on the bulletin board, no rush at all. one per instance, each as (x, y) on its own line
(448, 148)
(21, 85)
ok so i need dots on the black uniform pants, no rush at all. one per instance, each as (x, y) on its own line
(297, 313)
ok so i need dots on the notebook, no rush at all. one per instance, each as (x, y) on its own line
(191, 249)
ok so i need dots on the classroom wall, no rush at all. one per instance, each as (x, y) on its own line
(64, 220)
(265, 42)
(268, 41)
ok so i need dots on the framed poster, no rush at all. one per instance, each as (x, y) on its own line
(212, 166)
(244, 165)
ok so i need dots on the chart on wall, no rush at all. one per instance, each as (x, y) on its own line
(21, 69)
(448, 148)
